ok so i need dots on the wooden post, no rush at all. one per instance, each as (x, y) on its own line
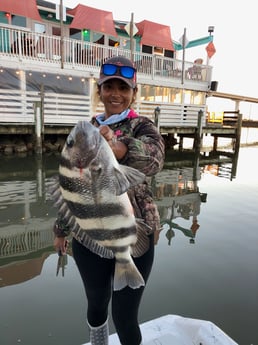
(131, 37)
(183, 60)
(39, 121)
(156, 117)
(198, 134)
(38, 126)
(61, 33)
(181, 142)
(238, 132)
(234, 164)
(42, 98)
(215, 143)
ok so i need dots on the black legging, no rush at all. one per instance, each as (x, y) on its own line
(97, 275)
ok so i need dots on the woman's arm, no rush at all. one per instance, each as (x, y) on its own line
(146, 148)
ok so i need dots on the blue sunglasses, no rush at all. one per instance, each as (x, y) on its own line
(125, 71)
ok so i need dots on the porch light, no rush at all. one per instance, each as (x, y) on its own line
(85, 32)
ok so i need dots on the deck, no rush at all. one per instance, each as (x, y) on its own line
(231, 128)
(42, 113)
(43, 71)
(22, 48)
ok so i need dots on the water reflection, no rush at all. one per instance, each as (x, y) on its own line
(178, 197)
(26, 218)
(27, 213)
(177, 193)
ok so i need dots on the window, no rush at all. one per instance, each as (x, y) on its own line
(19, 21)
(158, 51)
(56, 31)
(75, 34)
(147, 49)
(40, 28)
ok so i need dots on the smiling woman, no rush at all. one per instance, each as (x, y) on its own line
(136, 148)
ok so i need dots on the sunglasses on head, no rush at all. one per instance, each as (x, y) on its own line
(124, 71)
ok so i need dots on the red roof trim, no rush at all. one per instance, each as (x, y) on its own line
(154, 34)
(24, 8)
(86, 17)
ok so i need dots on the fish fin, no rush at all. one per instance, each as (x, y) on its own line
(52, 186)
(121, 182)
(126, 177)
(134, 176)
(127, 275)
(92, 245)
(143, 241)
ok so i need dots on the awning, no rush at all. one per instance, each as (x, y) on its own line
(90, 18)
(23, 8)
(194, 43)
(154, 34)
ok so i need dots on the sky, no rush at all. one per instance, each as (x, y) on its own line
(235, 63)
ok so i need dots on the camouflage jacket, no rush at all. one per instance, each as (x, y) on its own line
(146, 151)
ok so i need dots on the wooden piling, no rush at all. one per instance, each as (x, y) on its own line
(198, 134)
(38, 126)
(156, 116)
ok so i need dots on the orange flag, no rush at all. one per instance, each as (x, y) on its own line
(210, 49)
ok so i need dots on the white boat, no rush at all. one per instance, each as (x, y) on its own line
(178, 330)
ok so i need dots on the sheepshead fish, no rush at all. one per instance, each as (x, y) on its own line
(91, 195)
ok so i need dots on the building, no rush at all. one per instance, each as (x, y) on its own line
(49, 67)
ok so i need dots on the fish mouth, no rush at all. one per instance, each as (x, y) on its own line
(81, 163)
(78, 161)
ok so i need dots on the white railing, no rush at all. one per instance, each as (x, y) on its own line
(27, 232)
(67, 52)
(172, 115)
(26, 241)
(67, 109)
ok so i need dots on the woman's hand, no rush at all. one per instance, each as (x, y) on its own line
(117, 146)
(107, 132)
(61, 245)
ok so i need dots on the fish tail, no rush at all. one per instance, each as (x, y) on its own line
(127, 274)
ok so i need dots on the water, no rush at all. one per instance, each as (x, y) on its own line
(209, 272)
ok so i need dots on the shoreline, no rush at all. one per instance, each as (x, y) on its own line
(53, 144)
(10, 145)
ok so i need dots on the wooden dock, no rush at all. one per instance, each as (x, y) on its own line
(229, 128)
(216, 131)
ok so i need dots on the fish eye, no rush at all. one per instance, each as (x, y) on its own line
(70, 141)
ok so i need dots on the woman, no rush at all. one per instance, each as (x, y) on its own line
(135, 142)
